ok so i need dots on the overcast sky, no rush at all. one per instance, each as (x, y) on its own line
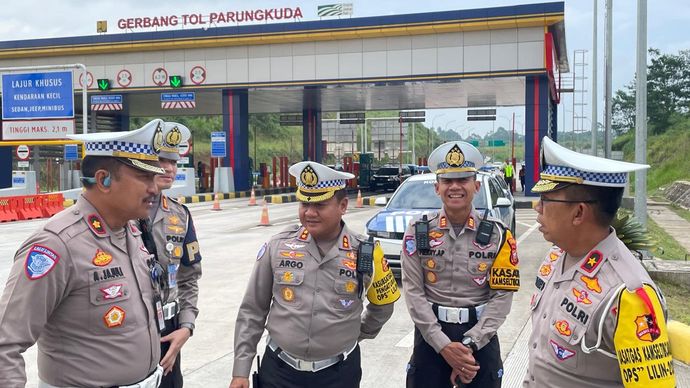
(668, 30)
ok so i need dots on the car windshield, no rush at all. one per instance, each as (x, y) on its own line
(420, 194)
(387, 171)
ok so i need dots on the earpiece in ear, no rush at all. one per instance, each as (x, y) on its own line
(106, 181)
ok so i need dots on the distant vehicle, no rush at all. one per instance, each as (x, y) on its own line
(416, 196)
(389, 177)
(422, 170)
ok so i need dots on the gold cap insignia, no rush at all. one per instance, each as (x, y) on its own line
(158, 138)
(308, 176)
(455, 157)
(173, 137)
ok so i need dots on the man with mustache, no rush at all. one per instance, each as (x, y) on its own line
(597, 317)
(310, 281)
(177, 250)
(460, 269)
(82, 285)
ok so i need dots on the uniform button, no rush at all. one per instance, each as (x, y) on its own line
(75, 211)
(455, 289)
(531, 377)
(544, 317)
(318, 290)
(534, 345)
(556, 286)
(614, 257)
(575, 337)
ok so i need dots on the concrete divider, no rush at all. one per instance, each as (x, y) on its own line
(23, 183)
(679, 336)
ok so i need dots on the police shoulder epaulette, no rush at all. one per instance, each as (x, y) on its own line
(628, 269)
(175, 200)
(288, 231)
(64, 220)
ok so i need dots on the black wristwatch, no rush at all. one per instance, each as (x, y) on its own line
(469, 342)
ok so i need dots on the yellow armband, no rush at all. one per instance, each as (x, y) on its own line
(641, 340)
(505, 274)
(384, 288)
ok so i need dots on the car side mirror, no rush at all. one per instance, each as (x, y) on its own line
(503, 202)
(380, 201)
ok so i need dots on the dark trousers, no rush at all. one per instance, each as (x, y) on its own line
(509, 182)
(174, 378)
(429, 369)
(522, 183)
(275, 373)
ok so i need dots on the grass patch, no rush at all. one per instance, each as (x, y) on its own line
(676, 300)
(667, 247)
(684, 213)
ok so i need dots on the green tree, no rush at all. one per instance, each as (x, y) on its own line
(668, 93)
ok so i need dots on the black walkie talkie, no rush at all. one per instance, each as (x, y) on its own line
(421, 234)
(365, 263)
(485, 230)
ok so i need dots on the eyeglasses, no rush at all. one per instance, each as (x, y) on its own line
(543, 199)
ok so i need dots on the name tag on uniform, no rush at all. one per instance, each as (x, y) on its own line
(172, 275)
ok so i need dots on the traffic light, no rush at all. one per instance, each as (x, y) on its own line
(103, 84)
(176, 81)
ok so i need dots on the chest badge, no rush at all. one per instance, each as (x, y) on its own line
(592, 284)
(563, 328)
(102, 258)
(561, 353)
(582, 296)
(288, 277)
(545, 270)
(288, 294)
(431, 277)
(114, 317)
(112, 292)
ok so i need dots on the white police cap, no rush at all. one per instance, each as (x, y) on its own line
(316, 182)
(563, 167)
(169, 142)
(455, 159)
(134, 148)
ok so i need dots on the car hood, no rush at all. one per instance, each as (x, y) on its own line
(395, 220)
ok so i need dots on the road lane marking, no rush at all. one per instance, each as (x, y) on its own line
(407, 341)
(528, 232)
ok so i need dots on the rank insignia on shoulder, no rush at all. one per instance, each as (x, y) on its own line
(304, 235)
(592, 262)
(114, 317)
(261, 251)
(346, 242)
(96, 224)
(443, 222)
(39, 261)
(101, 258)
(470, 222)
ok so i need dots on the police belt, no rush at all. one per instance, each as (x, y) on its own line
(171, 309)
(458, 314)
(152, 381)
(307, 366)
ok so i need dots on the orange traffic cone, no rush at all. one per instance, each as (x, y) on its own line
(252, 199)
(216, 202)
(359, 199)
(264, 216)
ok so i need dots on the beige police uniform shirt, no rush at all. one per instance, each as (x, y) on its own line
(567, 307)
(83, 292)
(178, 251)
(453, 273)
(311, 301)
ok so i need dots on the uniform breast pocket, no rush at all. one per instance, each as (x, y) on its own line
(110, 307)
(287, 288)
(345, 294)
(564, 339)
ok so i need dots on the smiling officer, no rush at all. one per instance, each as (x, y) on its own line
(597, 316)
(309, 281)
(81, 286)
(460, 269)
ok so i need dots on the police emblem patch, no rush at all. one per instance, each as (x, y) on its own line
(350, 287)
(288, 294)
(560, 352)
(292, 254)
(346, 303)
(261, 251)
(479, 280)
(96, 223)
(174, 220)
(581, 296)
(647, 330)
(308, 176)
(482, 267)
(431, 263)
(101, 258)
(39, 261)
(563, 328)
(435, 243)
(349, 264)
(545, 270)
(112, 292)
(592, 284)
(409, 245)
(435, 234)
(288, 277)
(114, 317)
(293, 246)
(455, 157)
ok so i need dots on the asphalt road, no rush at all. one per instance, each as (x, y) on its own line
(229, 240)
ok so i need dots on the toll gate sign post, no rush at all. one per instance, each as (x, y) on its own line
(218, 149)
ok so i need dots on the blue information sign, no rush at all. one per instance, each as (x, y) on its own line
(173, 97)
(71, 152)
(218, 149)
(48, 95)
(107, 99)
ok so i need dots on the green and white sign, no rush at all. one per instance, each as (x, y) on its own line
(334, 9)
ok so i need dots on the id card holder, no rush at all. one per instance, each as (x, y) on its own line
(160, 319)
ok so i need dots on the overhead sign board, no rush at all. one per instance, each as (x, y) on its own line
(28, 96)
(352, 118)
(218, 148)
(106, 102)
(178, 100)
(413, 116)
(37, 130)
(23, 152)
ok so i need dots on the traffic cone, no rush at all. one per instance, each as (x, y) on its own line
(216, 202)
(360, 203)
(252, 199)
(264, 216)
